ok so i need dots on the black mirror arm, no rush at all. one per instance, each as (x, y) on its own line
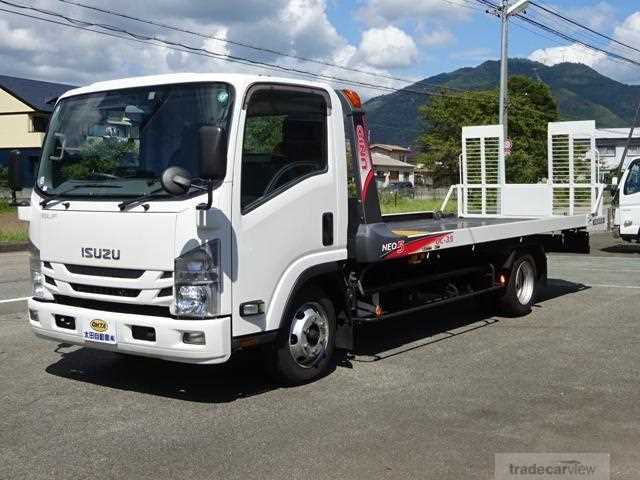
(207, 206)
(15, 203)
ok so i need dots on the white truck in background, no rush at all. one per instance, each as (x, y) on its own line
(188, 216)
(626, 194)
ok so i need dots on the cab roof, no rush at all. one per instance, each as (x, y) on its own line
(238, 80)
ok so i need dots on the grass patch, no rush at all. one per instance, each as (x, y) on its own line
(13, 236)
(391, 204)
(11, 229)
(5, 207)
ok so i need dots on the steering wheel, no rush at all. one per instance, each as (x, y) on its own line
(285, 169)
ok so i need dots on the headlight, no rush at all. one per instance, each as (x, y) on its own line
(197, 282)
(38, 289)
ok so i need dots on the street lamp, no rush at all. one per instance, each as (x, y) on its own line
(506, 11)
(518, 7)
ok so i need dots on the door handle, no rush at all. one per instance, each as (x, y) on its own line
(327, 229)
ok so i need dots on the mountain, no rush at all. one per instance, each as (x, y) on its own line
(580, 92)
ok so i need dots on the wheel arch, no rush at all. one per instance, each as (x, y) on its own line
(536, 250)
(326, 275)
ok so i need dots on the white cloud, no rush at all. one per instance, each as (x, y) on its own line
(627, 32)
(381, 12)
(50, 52)
(387, 47)
(437, 38)
(600, 15)
(574, 53)
(17, 38)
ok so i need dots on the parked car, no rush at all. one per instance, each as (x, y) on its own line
(402, 188)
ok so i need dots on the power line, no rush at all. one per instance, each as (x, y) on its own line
(248, 45)
(565, 36)
(467, 4)
(553, 39)
(575, 40)
(577, 32)
(566, 19)
(113, 31)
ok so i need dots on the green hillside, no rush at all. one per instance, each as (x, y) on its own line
(581, 94)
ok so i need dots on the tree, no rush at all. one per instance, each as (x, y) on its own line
(531, 108)
(102, 155)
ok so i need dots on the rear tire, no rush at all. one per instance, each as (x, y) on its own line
(305, 346)
(520, 294)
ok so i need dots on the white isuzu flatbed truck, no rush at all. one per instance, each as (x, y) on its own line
(187, 216)
(626, 218)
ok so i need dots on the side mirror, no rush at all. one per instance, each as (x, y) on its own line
(213, 152)
(176, 181)
(15, 172)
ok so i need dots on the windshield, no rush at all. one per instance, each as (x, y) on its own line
(118, 143)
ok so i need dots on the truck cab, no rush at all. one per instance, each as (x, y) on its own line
(627, 212)
(119, 262)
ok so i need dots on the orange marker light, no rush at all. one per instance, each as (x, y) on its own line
(503, 279)
(353, 97)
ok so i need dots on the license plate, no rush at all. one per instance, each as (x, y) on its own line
(100, 331)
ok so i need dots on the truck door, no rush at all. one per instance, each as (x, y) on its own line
(285, 199)
(629, 202)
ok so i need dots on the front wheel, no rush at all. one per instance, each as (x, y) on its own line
(305, 345)
(520, 293)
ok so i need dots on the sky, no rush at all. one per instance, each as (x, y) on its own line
(385, 43)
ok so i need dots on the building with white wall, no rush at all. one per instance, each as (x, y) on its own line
(610, 143)
(394, 151)
(389, 170)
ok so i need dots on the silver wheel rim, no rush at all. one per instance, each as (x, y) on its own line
(525, 281)
(309, 335)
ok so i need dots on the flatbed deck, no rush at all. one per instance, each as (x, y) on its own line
(406, 234)
(425, 226)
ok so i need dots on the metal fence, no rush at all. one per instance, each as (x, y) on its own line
(431, 193)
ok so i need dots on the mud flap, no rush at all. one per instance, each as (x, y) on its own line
(344, 332)
(571, 242)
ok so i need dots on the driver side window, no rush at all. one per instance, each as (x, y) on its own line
(632, 185)
(285, 142)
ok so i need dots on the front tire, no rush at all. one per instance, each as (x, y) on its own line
(520, 294)
(305, 345)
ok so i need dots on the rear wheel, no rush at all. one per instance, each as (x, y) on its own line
(521, 290)
(305, 345)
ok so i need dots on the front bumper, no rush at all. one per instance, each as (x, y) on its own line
(168, 344)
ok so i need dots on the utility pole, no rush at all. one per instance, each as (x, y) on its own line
(504, 69)
(505, 12)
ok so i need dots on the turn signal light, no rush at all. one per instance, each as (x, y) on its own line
(353, 97)
(252, 308)
(502, 279)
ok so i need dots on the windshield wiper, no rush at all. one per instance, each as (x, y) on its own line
(151, 194)
(57, 196)
(123, 205)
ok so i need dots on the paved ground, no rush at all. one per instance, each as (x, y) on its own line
(429, 397)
